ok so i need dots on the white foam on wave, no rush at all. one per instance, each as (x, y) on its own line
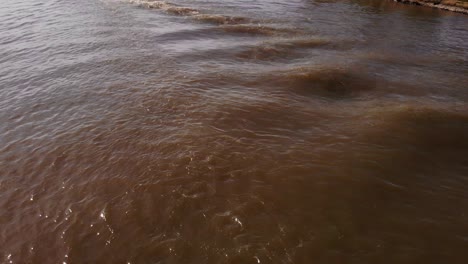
(150, 4)
(168, 7)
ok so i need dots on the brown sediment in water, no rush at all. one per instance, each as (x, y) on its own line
(265, 52)
(411, 151)
(196, 14)
(411, 147)
(257, 30)
(424, 126)
(182, 11)
(221, 19)
(328, 82)
(254, 119)
(400, 58)
(233, 24)
(165, 147)
(336, 82)
(304, 42)
(283, 48)
(448, 5)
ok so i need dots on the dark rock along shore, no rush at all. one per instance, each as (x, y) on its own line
(460, 6)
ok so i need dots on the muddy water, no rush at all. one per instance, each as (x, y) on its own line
(232, 132)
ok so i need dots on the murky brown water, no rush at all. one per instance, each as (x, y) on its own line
(214, 131)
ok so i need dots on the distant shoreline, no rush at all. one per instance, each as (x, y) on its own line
(444, 5)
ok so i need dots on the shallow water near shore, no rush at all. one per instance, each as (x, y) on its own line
(215, 131)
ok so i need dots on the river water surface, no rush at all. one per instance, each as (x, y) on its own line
(211, 131)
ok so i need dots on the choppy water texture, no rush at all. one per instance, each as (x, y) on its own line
(212, 131)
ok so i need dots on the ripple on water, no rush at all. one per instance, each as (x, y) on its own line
(221, 19)
(256, 29)
(174, 133)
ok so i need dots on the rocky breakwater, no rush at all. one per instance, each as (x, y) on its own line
(460, 6)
